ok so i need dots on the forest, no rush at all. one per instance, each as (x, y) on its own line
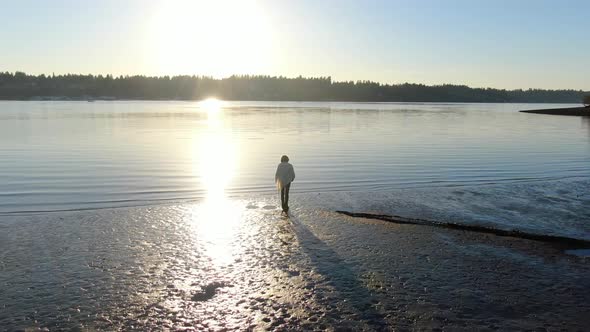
(21, 86)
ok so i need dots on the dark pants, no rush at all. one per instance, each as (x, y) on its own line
(285, 197)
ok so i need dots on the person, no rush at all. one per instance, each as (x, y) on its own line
(283, 177)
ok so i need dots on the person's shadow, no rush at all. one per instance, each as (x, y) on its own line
(340, 275)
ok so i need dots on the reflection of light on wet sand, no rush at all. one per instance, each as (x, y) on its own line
(214, 163)
(215, 222)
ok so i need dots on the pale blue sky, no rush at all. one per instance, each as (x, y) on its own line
(502, 44)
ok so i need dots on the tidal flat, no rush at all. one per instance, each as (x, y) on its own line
(164, 216)
(237, 264)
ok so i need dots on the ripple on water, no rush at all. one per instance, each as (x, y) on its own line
(115, 157)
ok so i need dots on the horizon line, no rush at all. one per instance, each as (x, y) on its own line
(285, 77)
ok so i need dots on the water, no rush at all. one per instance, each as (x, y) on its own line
(80, 155)
(147, 267)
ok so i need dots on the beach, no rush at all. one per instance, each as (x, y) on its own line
(237, 264)
(262, 165)
(164, 216)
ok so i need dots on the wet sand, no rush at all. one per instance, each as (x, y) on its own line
(198, 267)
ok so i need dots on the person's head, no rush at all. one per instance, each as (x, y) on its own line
(284, 159)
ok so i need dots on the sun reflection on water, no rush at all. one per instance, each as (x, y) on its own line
(215, 157)
(211, 105)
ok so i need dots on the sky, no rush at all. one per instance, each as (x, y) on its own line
(501, 44)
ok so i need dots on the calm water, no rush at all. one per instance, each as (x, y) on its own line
(230, 264)
(79, 155)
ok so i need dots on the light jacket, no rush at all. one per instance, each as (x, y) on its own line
(285, 174)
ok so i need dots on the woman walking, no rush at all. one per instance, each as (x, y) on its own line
(284, 176)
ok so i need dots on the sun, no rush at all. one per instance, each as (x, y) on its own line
(214, 38)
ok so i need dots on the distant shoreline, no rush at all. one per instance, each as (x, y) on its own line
(63, 98)
(21, 86)
(572, 111)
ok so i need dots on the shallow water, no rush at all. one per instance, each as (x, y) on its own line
(80, 155)
(236, 263)
(76, 155)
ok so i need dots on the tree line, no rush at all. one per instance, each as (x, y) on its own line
(21, 86)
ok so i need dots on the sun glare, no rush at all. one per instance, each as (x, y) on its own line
(215, 157)
(213, 38)
(211, 105)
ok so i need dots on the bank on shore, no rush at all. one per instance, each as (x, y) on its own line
(574, 111)
(238, 264)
